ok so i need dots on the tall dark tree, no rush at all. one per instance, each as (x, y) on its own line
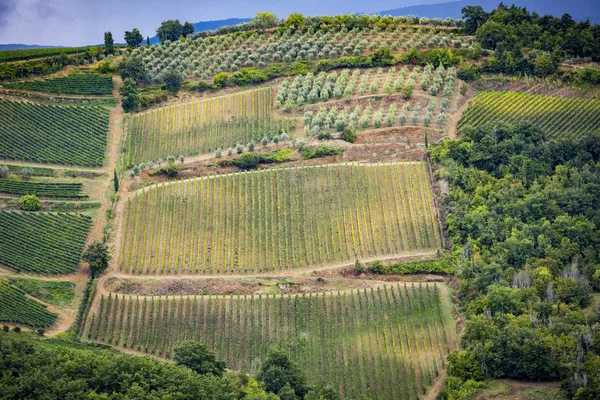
(474, 17)
(116, 181)
(278, 371)
(169, 30)
(188, 29)
(148, 40)
(97, 256)
(109, 43)
(131, 97)
(133, 38)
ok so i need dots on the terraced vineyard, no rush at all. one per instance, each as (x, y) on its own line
(17, 308)
(65, 134)
(203, 126)
(389, 342)
(278, 219)
(42, 189)
(557, 116)
(47, 243)
(82, 84)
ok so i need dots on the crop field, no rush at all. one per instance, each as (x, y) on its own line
(203, 126)
(54, 292)
(16, 307)
(82, 84)
(279, 219)
(14, 55)
(73, 135)
(206, 57)
(389, 342)
(46, 243)
(42, 189)
(555, 115)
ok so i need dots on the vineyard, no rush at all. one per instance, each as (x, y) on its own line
(557, 116)
(82, 84)
(277, 219)
(17, 308)
(204, 126)
(42, 189)
(14, 55)
(73, 135)
(46, 243)
(389, 342)
(206, 57)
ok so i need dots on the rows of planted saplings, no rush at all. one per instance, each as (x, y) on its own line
(65, 134)
(277, 219)
(323, 87)
(82, 84)
(17, 308)
(46, 243)
(206, 57)
(557, 116)
(42, 189)
(389, 342)
(204, 126)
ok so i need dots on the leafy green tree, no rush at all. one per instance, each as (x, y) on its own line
(188, 29)
(30, 202)
(197, 357)
(278, 371)
(97, 256)
(295, 20)
(133, 68)
(109, 43)
(491, 33)
(133, 38)
(169, 30)
(130, 94)
(474, 17)
(173, 81)
(265, 20)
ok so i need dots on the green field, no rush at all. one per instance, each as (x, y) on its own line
(82, 84)
(42, 189)
(17, 308)
(46, 243)
(280, 219)
(28, 54)
(54, 292)
(65, 134)
(555, 115)
(389, 342)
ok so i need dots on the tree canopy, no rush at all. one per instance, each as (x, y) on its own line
(197, 357)
(133, 38)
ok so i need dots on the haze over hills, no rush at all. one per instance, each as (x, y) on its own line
(578, 9)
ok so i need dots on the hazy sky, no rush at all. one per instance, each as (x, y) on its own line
(82, 22)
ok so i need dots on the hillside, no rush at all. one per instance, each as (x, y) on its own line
(326, 207)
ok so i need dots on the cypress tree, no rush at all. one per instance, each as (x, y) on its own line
(148, 40)
(116, 181)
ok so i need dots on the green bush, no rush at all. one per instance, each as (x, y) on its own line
(319, 151)
(30, 202)
(442, 265)
(252, 160)
(345, 62)
(469, 72)
(221, 80)
(171, 170)
(349, 135)
(248, 76)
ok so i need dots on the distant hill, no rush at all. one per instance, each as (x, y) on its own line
(578, 9)
(210, 25)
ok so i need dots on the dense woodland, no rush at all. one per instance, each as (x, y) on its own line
(523, 214)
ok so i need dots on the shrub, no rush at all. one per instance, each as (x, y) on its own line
(173, 81)
(319, 151)
(197, 357)
(218, 152)
(3, 171)
(349, 135)
(239, 149)
(251, 145)
(221, 80)
(171, 170)
(407, 92)
(30, 202)
(27, 173)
